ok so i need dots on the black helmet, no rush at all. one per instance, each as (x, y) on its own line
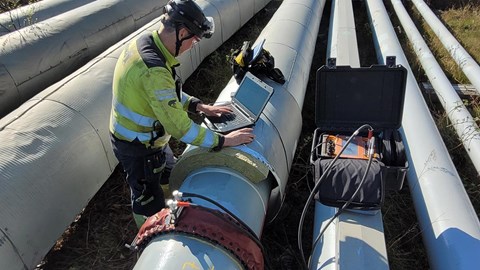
(189, 14)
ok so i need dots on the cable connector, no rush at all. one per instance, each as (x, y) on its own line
(177, 195)
(176, 207)
(371, 146)
(371, 143)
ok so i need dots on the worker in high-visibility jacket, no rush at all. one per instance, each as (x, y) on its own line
(148, 106)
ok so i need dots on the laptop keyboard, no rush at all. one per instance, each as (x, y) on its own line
(234, 118)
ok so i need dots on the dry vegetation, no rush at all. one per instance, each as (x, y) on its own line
(6, 5)
(95, 240)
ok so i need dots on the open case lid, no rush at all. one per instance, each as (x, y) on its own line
(347, 98)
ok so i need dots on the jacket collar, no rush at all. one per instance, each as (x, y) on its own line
(171, 61)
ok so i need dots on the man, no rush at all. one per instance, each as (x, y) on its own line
(148, 106)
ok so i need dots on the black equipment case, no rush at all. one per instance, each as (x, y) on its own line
(345, 99)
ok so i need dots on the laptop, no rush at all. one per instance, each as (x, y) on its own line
(247, 104)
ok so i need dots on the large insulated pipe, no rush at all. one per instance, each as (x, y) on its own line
(351, 233)
(248, 181)
(449, 224)
(468, 65)
(33, 13)
(342, 37)
(39, 55)
(55, 152)
(463, 122)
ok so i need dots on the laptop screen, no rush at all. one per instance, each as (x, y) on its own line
(253, 94)
(257, 51)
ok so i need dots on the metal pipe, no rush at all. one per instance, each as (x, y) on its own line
(462, 120)
(468, 65)
(257, 172)
(351, 232)
(342, 38)
(55, 152)
(39, 55)
(449, 224)
(18, 18)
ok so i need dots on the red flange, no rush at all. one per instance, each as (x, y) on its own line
(210, 224)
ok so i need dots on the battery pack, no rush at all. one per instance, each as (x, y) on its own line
(333, 144)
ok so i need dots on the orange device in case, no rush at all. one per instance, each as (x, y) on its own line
(333, 144)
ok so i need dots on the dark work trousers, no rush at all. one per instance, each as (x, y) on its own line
(144, 168)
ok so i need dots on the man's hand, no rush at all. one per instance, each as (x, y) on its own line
(240, 136)
(213, 110)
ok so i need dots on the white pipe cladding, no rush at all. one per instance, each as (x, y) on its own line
(55, 152)
(449, 224)
(39, 55)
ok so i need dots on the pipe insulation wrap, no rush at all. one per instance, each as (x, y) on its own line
(342, 37)
(290, 37)
(57, 152)
(18, 18)
(252, 210)
(57, 157)
(450, 229)
(39, 55)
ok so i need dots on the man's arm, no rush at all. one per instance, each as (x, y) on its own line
(171, 114)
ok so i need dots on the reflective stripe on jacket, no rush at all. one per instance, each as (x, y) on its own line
(144, 91)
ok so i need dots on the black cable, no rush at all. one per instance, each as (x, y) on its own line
(247, 228)
(315, 189)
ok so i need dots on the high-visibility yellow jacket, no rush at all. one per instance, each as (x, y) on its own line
(144, 91)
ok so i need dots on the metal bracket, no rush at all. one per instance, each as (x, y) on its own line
(391, 61)
(332, 62)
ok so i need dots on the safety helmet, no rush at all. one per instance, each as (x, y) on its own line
(187, 13)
